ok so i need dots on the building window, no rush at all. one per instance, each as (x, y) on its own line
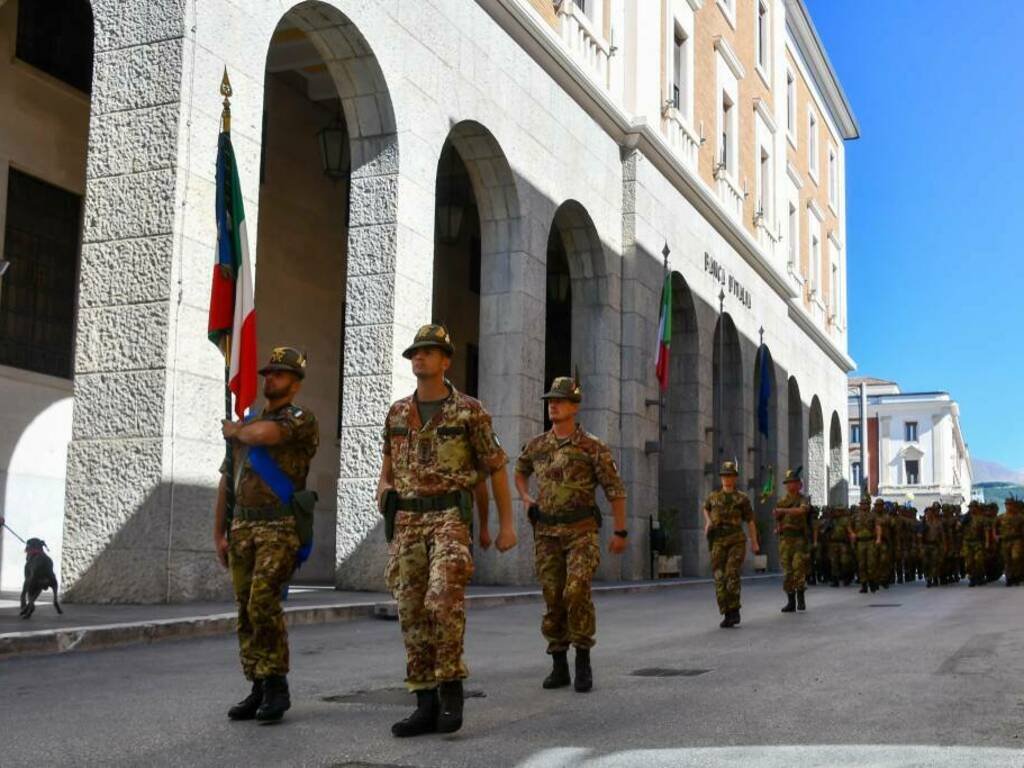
(727, 159)
(855, 434)
(763, 43)
(791, 105)
(815, 263)
(856, 474)
(764, 187)
(812, 145)
(910, 431)
(37, 302)
(58, 42)
(913, 468)
(794, 234)
(679, 74)
(583, 6)
(832, 179)
(835, 284)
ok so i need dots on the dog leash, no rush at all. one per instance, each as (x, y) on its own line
(14, 534)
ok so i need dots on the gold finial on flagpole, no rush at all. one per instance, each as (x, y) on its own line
(225, 91)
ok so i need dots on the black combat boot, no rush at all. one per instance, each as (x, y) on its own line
(801, 604)
(873, 587)
(972, 582)
(276, 700)
(834, 583)
(559, 677)
(790, 606)
(246, 708)
(423, 719)
(449, 717)
(863, 587)
(584, 674)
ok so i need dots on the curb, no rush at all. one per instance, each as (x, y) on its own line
(102, 636)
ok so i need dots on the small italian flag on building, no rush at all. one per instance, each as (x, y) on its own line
(232, 325)
(664, 333)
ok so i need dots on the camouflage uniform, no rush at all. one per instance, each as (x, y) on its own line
(1010, 530)
(883, 554)
(728, 511)
(974, 538)
(262, 553)
(431, 562)
(932, 535)
(951, 564)
(864, 525)
(566, 555)
(838, 537)
(794, 533)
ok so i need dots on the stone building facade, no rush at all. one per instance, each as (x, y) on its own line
(515, 168)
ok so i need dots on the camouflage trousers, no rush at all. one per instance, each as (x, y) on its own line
(932, 558)
(867, 561)
(795, 561)
(565, 561)
(428, 571)
(973, 554)
(883, 560)
(1013, 559)
(840, 560)
(261, 560)
(727, 555)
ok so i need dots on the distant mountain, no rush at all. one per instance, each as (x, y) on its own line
(991, 471)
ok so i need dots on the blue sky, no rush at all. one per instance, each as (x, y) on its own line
(935, 202)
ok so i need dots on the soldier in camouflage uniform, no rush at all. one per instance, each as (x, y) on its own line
(725, 510)
(569, 464)
(952, 565)
(866, 540)
(437, 443)
(1010, 535)
(791, 526)
(932, 537)
(836, 531)
(993, 559)
(262, 545)
(908, 524)
(883, 556)
(975, 535)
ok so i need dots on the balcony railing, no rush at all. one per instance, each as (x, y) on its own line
(682, 140)
(588, 47)
(731, 197)
(768, 238)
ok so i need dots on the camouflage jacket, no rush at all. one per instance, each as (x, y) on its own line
(729, 510)
(864, 523)
(794, 522)
(933, 531)
(569, 471)
(446, 454)
(839, 528)
(1010, 527)
(292, 455)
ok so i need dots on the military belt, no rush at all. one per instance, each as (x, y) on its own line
(1009, 538)
(425, 504)
(263, 514)
(723, 530)
(566, 518)
(793, 534)
(863, 537)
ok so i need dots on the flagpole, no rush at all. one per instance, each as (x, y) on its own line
(229, 454)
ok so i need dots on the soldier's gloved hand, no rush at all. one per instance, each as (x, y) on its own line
(506, 539)
(617, 545)
(485, 537)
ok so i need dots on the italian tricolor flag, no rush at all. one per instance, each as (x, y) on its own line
(232, 324)
(664, 333)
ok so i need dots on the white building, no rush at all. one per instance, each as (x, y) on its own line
(907, 446)
(513, 168)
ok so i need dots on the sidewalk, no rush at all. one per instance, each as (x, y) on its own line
(92, 627)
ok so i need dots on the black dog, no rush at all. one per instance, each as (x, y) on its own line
(39, 575)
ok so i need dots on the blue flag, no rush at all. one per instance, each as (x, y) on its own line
(764, 394)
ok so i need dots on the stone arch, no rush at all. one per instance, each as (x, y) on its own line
(817, 482)
(795, 417)
(594, 302)
(727, 383)
(335, 61)
(681, 458)
(766, 439)
(838, 487)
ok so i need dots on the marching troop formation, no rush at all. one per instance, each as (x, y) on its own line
(439, 452)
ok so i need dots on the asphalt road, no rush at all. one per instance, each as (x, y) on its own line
(908, 677)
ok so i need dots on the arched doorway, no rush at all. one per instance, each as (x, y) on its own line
(795, 418)
(838, 487)
(727, 383)
(766, 441)
(558, 359)
(45, 112)
(681, 459)
(329, 146)
(817, 483)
